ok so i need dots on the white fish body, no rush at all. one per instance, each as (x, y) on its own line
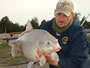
(32, 39)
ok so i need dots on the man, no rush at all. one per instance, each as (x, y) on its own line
(71, 37)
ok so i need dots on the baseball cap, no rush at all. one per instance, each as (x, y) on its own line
(64, 6)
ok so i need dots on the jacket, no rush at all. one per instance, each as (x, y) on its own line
(74, 45)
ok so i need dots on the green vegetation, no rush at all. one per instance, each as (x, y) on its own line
(4, 45)
(89, 39)
(7, 59)
(6, 26)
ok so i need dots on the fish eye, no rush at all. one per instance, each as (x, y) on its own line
(48, 43)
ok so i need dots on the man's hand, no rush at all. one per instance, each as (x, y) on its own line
(48, 58)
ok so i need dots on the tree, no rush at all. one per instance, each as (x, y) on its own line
(86, 24)
(1, 30)
(6, 26)
(89, 25)
(77, 16)
(4, 23)
(34, 23)
(42, 22)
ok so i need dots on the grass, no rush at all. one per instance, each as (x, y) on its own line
(6, 58)
(88, 38)
(4, 45)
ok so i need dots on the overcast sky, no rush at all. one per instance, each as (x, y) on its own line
(23, 10)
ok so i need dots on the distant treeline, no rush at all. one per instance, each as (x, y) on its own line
(7, 26)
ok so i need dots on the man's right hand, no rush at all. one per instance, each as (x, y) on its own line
(47, 56)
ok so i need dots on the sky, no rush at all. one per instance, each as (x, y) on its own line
(23, 10)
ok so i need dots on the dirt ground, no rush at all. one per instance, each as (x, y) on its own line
(24, 66)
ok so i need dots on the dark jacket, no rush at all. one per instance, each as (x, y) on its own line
(74, 45)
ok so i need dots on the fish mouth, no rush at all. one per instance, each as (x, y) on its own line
(58, 49)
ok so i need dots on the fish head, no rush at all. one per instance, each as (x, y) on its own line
(55, 44)
(50, 42)
(45, 45)
(50, 47)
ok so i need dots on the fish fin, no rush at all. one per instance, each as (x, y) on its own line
(30, 64)
(42, 60)
(55, 57)
(15, 44)
(13, 47)
(28, 26)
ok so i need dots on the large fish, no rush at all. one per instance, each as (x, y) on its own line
(31, 40)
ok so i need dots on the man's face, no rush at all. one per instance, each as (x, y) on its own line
(62, 20)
